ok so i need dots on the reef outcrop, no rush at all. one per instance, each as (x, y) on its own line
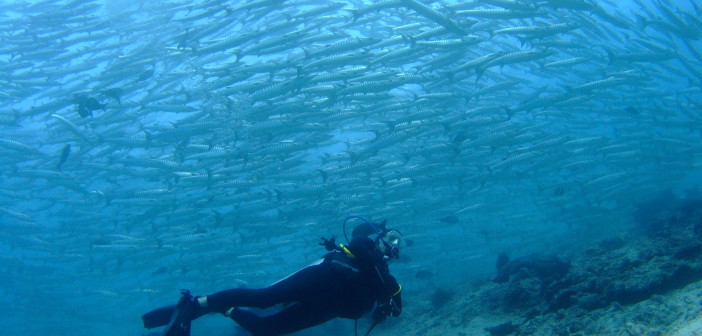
(618, 286)
(667, 256)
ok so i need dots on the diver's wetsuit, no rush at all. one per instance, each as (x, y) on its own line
(344, 284)
(341, 285)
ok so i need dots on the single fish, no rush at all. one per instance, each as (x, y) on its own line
(64, 156)
(450, 219)
(86, 105)
(435, 16)
(145, 75)
(114, 93)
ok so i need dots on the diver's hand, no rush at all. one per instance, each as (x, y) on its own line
(329, 244)
(381, 313)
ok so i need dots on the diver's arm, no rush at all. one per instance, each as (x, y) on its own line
(395, 301)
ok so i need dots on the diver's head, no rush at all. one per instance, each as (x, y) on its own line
(389, 243)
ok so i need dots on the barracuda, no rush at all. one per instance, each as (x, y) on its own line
(152, 163)
(435, 16)
(228, 43)
(450, 43)
(476, 121)
(277, 89)
(427, 34)
(672, 16)
(385, 140)
(18, 147)
(49, 175)
(516, 57)
(203, 14)
(538, 31)
(493, 88)
(583, 141)
(477, 62)
(357, 167)
(340, 47)
(257, 206)
(436, 95)
(422, 114)
(541, 102)
(570, 4)
(323, 89)
(238, 168)
(280, 148)
(599, 84)
(562, 44)
(274, 45)
(354, 57)
(73, 128)
(497, 13)
(515, 159)
(396, 55)
(243, 87)
(367, 87)
(179, 108)
(608, 178)
(373, 76)
(567, 62)
(398, 39)
(513, 5)
(319, 37)
(132, 141)
(295, 191)
(374, 7)
(313, 12)
(227, 183)
(399, 184)
(342, 74)
(657, 46)
(496, 138)
(218, 153)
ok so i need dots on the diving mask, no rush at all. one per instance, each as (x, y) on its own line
(390, 243)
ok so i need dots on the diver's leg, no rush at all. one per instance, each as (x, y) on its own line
(302, 285)
(291, 319)
(248, 320)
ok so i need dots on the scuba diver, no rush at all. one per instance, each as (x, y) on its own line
(347, 282)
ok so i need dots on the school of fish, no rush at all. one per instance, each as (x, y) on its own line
(153, 146)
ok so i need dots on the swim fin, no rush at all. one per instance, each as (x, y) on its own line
(158, 317)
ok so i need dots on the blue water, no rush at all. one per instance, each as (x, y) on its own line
(207, 167)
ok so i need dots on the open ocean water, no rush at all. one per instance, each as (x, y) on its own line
(149, 146)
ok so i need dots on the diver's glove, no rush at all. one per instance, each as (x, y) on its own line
(381, 313)
(329, 244)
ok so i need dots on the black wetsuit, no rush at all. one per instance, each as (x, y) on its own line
(345, 284)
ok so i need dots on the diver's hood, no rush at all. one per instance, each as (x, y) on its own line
(366, 229)
(388, 241)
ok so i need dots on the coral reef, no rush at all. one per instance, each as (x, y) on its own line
(614, 271)
(441, 297)
(620, 286)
